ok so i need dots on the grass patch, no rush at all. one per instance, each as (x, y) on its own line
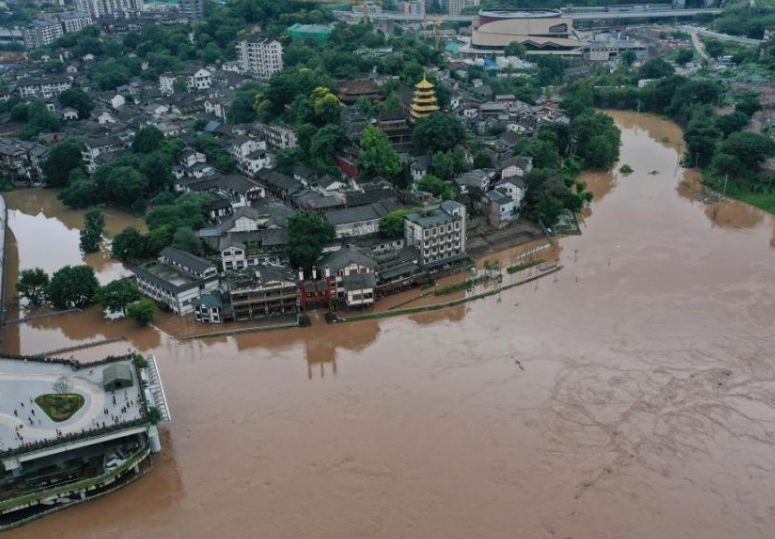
(519, 267)
(459, 287)
(761, 196)
(60, 407)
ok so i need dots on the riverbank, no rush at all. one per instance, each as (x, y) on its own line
(607, 403)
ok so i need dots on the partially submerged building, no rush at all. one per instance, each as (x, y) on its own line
(52, 460)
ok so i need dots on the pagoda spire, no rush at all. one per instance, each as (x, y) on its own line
(424, 102)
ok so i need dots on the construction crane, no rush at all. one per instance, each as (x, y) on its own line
(436, 22)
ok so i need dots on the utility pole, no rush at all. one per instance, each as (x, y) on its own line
(726, 178)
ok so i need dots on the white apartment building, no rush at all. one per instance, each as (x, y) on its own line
(259, 56)
(194, 9)
(177, 279)
(110, 9)
(75, 22)
(280, 137)
(438, 232)
(41, 32)
(46, 87)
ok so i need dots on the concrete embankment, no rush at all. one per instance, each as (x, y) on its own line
(3, 232)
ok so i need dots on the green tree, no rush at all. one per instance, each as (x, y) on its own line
(751, 150)
(392, 224)
(308, 233)
(714, 48)
(157, 167)
(326, 104)
(72, 286)
(377, 157)
(148, 139)
(32, 285)
(732, 122)
(701, 140)
(438, 132)
(748, 103)
(628, 58)
(61, 161)
(684, 56)
(482, 159)
(324, 147)
(91, 234)
(549, 209)
(186, 239)
(79, 194)
(443, 165)
(655, 69)
(515, 48)
(141, 311)
(116, 295)
(77, 99)
(128, 245)
(157, 239)
(602, 153)
(436, 186)
(121, 185)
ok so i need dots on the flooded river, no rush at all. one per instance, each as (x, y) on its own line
(631, 397)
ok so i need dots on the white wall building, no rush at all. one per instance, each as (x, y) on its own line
(260, 57)
(438, 232)
(111, 9)
(176, 279)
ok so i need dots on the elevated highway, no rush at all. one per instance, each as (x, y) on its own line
(612, 15)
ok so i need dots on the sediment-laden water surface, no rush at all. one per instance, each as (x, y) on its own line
(632, 396)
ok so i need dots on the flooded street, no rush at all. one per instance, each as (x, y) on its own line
(631, 397)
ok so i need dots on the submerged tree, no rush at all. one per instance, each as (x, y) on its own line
(32, 285)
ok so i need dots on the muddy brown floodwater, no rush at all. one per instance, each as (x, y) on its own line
(632, 397)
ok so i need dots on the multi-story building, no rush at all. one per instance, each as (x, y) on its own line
(41, 32)
(96, 146)
(259, 56)
(280, 137)
(438, 232)
(264, 291)
(110, 9)
(193, 9)
(414, 7)
(196, 80)
(76, 21)
(46, 88)
(176, 279)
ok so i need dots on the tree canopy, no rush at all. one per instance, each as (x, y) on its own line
(72, 286)
(308, 233)
(438, 132)
(32, 285)
(116, 295)
(141, 311)
(64, 158)
(148, 139)
(377, 157)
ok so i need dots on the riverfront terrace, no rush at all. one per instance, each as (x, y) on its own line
(69, 432)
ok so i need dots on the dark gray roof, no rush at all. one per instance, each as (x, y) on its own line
(186, 260)
(370, 197)
(336, 260)
(362, 213)
(358, 281)
(208, 300)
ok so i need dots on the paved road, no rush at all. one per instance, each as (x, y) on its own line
(721, 37)
(698, 46)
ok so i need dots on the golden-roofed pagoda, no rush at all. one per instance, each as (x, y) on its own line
(424, 102)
